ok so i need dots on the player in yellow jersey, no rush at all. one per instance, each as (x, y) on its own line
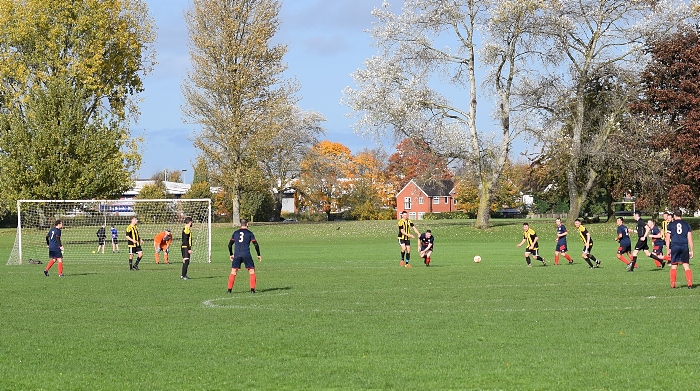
(587, 240)
(405, 236)
(530, 237)
(134, 242)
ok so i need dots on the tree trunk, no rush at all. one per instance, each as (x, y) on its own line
(483, 214)
(236, 207)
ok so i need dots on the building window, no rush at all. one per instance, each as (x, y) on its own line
(420, 215)
(407, 203)
(436, 200)
(420, 200)
(447, 200)
(411, 215)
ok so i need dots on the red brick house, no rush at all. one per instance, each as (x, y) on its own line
(430, 197)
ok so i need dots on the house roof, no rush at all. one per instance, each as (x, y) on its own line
(435, 188)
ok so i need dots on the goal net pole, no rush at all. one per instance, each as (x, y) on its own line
(82, 219)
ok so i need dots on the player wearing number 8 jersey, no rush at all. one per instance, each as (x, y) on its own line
(679, 240)
(239, 249)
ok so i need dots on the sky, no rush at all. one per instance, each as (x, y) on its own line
(326, 42)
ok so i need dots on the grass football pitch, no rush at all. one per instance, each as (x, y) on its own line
(335, 311)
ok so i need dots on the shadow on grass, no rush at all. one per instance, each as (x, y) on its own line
(286, 288)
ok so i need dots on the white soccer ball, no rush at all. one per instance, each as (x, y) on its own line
(477, 259)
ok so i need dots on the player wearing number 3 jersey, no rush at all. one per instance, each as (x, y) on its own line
(239, 249)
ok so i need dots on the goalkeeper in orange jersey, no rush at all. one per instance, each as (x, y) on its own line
(162, 244)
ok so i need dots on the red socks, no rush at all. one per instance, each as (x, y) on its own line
(51, 262)
(688, 277)
(60, 267)
(252, 281)
(623, 259)
(556, 259)
(231, 279)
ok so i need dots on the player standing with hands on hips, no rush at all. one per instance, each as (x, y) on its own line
(679, 241)
(53, 242)
(239, 249)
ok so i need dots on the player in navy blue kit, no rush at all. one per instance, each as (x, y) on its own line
(625, 244)
(658, 241)
(239, 249)
(53, 242)
(561, 243)
(679, 240)
(427, 241)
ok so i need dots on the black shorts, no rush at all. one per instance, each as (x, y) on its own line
(641, 245)
(405, 242)
(115, 241)
(535, 252)
(247, 261)
(185, 253)
(587, 250)
(101, 241)
(135, 249)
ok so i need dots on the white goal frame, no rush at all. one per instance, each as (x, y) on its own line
(106, 212)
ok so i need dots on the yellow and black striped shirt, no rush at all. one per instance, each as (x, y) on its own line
(530, 237)
(133, 232)
(405, 225)
(582, 233)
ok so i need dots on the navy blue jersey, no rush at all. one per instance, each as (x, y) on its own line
(425, 241)
(624, 236)
(679, 233)
(660, 241)
(561, 239)
(53, 239)
(240, 242)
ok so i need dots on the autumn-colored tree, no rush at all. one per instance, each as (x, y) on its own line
(672, 96)
(414, 159)
(506, 194)
(371, 194)
(69, 78)
(326, 174)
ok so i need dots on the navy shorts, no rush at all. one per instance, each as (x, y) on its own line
(658, 249)
(561, 247)
(624, 249)
(55, 254)
(422, 248)
(135, 250)
(247, 261)
(680, 255)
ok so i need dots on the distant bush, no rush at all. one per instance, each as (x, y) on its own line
(308, 217)
(447, 216)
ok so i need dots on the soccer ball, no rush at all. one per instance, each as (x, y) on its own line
(93, 252)
(477, 259)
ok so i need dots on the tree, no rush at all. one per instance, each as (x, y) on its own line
(235, 88)
(414, 160)
(589, 40)
(371, 195)
(325, 176)
(298, 130)
(396, 91)
(69, 77)
(671, 96)
(153, 212)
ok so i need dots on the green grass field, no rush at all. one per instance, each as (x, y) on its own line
(335, 311)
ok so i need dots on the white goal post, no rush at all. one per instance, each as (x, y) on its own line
(82, 219)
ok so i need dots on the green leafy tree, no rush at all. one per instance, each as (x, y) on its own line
(235, 88)
(69, 77)
(153, 212)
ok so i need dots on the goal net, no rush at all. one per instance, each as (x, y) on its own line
(82, 219)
